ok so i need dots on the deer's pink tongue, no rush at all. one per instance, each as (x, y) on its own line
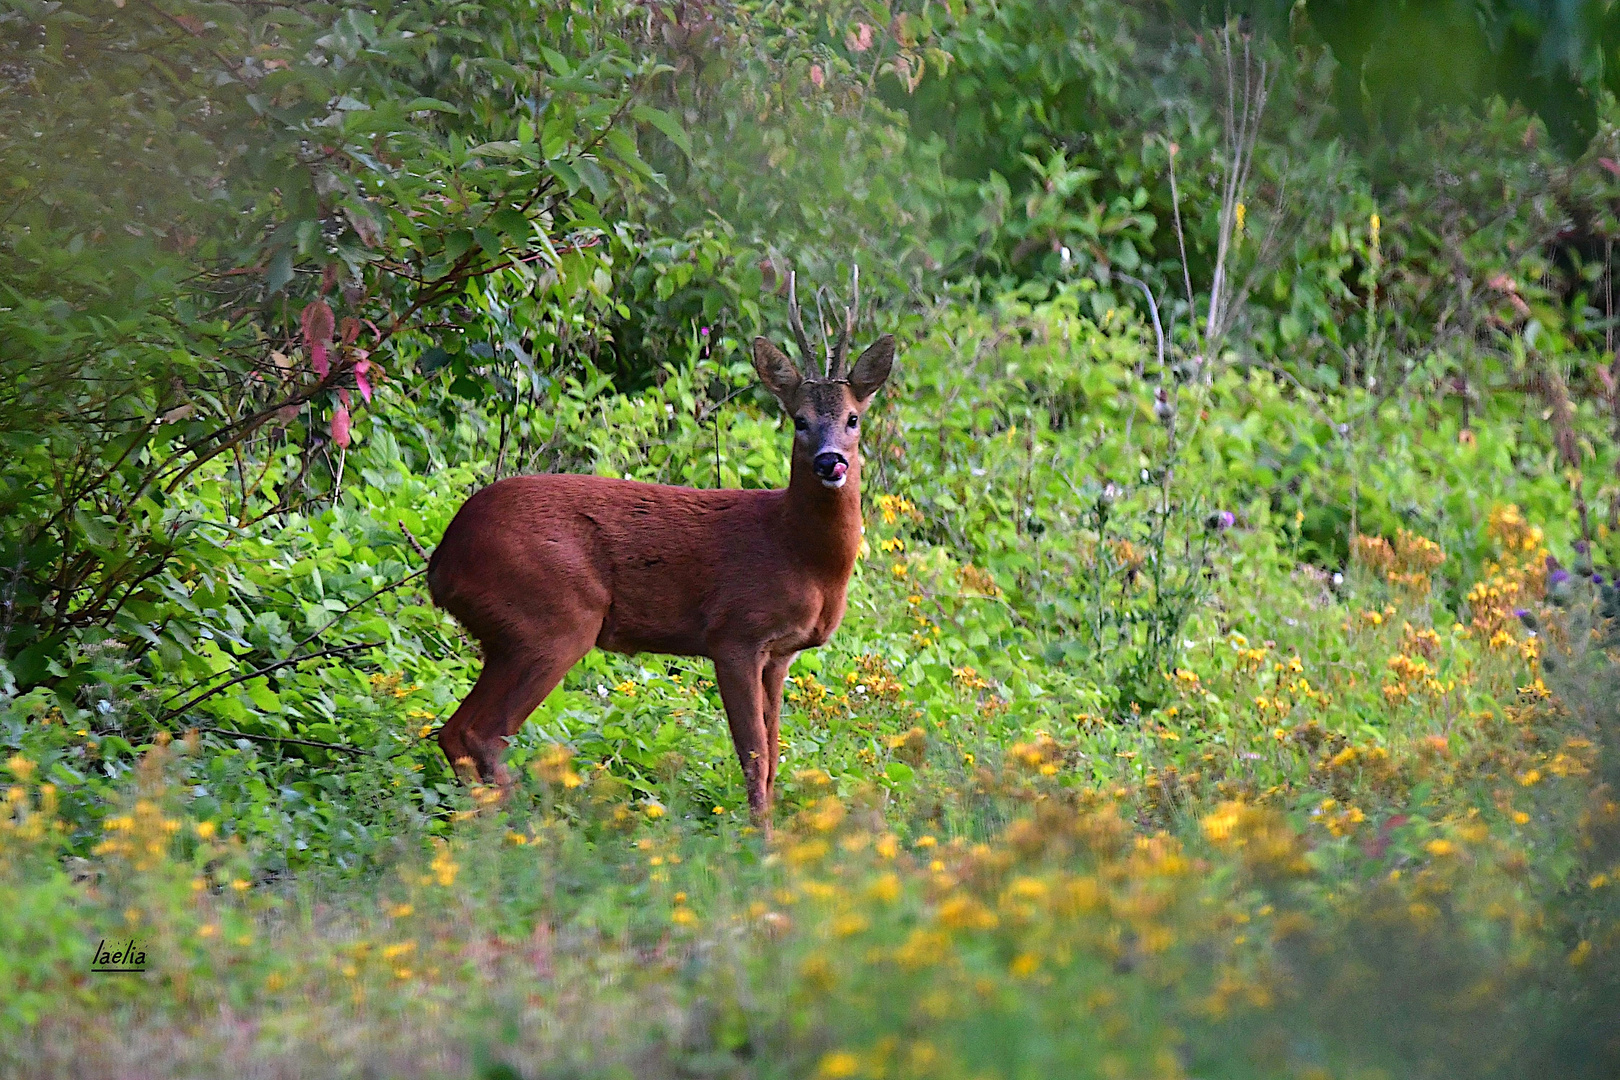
(839, 470)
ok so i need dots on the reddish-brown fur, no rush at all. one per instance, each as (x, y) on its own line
(541, 569)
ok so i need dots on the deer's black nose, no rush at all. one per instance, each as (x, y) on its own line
(830, 466)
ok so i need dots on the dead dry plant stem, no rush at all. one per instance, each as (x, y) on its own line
(1241, 118)
(1181, 243)
(1158, 327)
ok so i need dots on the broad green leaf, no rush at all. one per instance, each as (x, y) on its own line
(665, 123)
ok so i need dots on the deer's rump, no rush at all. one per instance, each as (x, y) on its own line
(625, 566)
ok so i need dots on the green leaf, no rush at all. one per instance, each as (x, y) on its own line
(456, 244)
(575, 86)
(565, 172)
(666, 123)
(93, 530)
(505, 150)
(513, 223)
(423, 104)
(280, 271)
(594, 178)
(262, 696)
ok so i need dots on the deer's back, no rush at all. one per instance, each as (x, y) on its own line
(664, 569)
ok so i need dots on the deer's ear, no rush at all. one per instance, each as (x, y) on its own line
(872, 368)
(777, 372)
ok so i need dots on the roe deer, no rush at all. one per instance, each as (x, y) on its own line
(541, 569)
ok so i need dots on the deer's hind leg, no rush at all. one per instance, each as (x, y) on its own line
(514, 682)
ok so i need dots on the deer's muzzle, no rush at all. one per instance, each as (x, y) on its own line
(830, 468)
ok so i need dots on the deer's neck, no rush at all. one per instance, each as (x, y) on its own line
(824, 523)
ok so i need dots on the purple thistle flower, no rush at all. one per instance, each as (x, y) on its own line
(1597, 579)
(1226, 519)
(1557, 577)
(1581, 546)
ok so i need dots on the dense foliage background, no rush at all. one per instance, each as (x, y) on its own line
(1229, 683)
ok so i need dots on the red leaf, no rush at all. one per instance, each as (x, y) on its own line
(340, 425)
(317, 322)
(343, 396)
(350, 329)
(361, 381)
(317, 357)
(1611, 165)
(1375, 847)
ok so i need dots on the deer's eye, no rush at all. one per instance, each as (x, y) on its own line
(801, 424)
(853, 422)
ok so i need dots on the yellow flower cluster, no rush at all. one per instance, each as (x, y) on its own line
(390, 683)
(892, 508)
(977, 582)
(911, 746)
(142, 836)
(1042, 754)
(26, 820)
(1407, 564)
(554, 766)
(817, 701)
(1259, 835)
(1517, 578)
(1410, 675)
(1250, 659)
(874, 680)
(443, 869)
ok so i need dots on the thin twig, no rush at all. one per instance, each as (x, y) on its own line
(340, 747)
(300, 644)
(338, 650)
(416, 545)
(386, 588)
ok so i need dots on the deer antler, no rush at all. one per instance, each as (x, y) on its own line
(833, 355)
(796, 321)
(835, 366)
(826, 335)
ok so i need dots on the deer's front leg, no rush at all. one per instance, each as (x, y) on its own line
(775, 674)
(740, 678)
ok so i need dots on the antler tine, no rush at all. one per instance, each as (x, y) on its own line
(826, 336)
(796, 321)
(851, 315)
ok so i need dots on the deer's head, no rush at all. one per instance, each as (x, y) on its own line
(826, 407)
